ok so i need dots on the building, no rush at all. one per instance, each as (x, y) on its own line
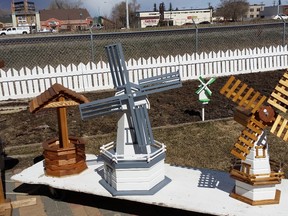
(254, 11)
(105, 22)
(271, 11)
(24, 14)
(65, 19)
(147, 18)
(5, 21)
(174, 17)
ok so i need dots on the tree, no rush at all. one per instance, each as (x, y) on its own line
(119, 13)
(170, 7)
(65, 4)
(232, 9)
(161, 10)
(155, 7)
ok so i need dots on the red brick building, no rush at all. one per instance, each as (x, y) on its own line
(65, 19)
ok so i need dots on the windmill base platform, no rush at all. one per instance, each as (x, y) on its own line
(142, 174)
(275, 200)
(256, 194)
(195, 190)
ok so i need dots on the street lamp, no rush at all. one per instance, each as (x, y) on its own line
(81, 20)
(127, 15)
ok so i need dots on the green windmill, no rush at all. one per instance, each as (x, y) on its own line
(204, 93)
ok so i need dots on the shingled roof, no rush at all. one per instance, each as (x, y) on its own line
(51, 95)
(64, 14)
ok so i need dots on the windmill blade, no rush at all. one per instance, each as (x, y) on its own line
(210, 81)
(279, 97)
(117, 65)
(142, 126)
(247, 138)
(101, 107)
(280, 128)
(204, 86)
(243, 95)
(160, 83)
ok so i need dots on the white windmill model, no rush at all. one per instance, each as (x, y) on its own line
(256, 177)
(204, 93)
(134, 164)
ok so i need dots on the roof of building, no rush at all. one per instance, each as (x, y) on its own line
(52, 94)
(64, 14)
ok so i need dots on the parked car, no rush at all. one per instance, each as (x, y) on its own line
(204, 23)
(44, 30)
(15, 30)
(97, 26)
(278, 16)
(188, 24)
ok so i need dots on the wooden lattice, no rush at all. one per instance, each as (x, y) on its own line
(279, 97)
(243, 95)
(280, 128)
(247, 138)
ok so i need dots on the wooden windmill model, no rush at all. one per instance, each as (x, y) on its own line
(255, 176)
(135, 163)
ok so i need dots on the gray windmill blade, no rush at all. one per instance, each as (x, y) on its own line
(142, 126)
(160, 83)
(101, 107)
(117, 65)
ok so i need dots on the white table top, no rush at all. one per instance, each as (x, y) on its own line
(198, 190)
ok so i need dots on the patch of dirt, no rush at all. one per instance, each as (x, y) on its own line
(167, 108)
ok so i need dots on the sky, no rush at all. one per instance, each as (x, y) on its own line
(103, 7)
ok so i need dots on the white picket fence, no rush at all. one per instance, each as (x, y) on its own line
(28, 83)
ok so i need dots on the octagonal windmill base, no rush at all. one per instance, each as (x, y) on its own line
(64, 161)
(256, 195)
(138, 175)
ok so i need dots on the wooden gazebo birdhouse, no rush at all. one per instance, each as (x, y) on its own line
(64, 155)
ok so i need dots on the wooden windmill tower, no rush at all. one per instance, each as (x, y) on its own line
(255, 176)
(135, 163)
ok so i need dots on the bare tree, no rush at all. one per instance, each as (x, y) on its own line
(170, 7)
(232, 9)
(161, 10)
(155, 7)
(118, 14)
(65, 4)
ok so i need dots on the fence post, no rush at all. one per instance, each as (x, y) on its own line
(284, 33)
(92, 47)
(196, 36)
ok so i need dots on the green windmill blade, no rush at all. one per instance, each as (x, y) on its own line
(203, 91)
(212, 80)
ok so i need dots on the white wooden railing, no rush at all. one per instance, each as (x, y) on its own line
(28, 83)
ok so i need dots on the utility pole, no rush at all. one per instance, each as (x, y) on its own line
(278, 8)
(127, 15)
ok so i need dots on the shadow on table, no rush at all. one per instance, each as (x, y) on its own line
(213, 179)
(216, 179)
(107, 203)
